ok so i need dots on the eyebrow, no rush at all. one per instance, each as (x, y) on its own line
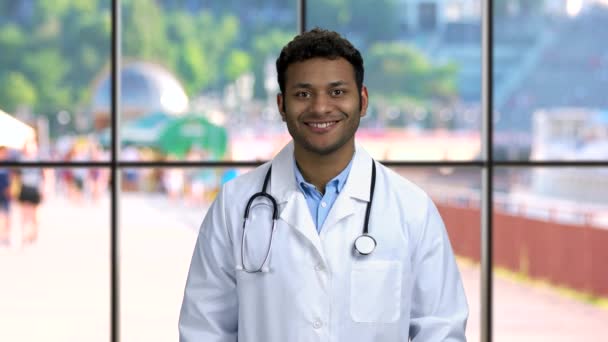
(308, 85)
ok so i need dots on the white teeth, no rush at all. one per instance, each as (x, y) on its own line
(322, 124)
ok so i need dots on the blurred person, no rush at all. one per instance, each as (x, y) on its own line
(5, 198)
(98, 176)
(202, 184)
(64, 150)
(200, 180)
(173, 181)
(322, 243)
(68, 176)
(130, 180)
(195, 188)
(31, 181)
(80, 175)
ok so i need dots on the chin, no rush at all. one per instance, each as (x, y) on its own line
(322, 150)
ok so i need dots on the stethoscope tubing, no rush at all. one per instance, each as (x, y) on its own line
(263, 193)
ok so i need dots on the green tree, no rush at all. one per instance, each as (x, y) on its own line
(220, 39)
(193, 67)
(17, 91)
(85, 43)
(186, 58)
(54, 51)
(397, 70)
(12, 45)
(267, 46)
(46, 68)
(237, 63)
(144, 31)
(200, 48)
(363, 21)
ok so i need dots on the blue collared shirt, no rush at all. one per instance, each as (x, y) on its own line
(320, 204)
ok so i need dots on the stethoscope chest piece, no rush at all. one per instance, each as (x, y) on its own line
(365, 244)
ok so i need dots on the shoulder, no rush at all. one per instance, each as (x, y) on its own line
(399, 186)
(411, 205)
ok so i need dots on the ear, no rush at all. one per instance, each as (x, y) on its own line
(281, 105)
(364, 100)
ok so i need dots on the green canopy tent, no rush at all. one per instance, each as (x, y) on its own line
(174, 135)
(143, 131)
(193, 131)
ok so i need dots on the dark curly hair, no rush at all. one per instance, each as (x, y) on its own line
(319, 43)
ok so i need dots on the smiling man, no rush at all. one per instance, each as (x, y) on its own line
(322, 243)
(322, 103)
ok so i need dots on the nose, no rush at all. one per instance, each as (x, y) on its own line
(321, 104)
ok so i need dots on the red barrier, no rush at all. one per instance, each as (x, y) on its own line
(599, 263)
(562, 254)
(463, 228)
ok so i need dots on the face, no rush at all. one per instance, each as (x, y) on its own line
(322, 105)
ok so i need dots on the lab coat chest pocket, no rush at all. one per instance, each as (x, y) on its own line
(375, 294)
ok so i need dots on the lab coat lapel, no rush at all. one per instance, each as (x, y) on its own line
(297, 215)
(356, 189)
(342, 208)
(292, 204)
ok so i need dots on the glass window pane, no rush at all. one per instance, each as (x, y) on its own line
(161, 215)
(198, 79)
(56, 269)
(550, 100)
(422, 61)
(161, 212)
(550, 237)
(456, 193)
(51, 57)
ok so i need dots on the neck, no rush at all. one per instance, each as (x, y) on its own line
(320, 169)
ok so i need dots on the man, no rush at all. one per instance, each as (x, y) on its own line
(302, 277)
(31, 191)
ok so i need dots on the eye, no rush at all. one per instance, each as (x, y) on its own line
(337, 92)
(303, 94)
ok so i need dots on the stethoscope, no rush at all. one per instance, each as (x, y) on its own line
(364, 244)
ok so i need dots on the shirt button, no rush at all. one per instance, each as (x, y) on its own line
(317, 324)
(323, 204)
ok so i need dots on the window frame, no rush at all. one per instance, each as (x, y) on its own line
(487, 164)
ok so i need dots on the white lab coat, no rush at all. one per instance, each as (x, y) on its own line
(317, 289)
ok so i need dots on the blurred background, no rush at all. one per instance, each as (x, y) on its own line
(199, 84)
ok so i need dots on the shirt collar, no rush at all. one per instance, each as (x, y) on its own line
(283, 181)
(337, 183)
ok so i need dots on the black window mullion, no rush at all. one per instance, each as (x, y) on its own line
(301, 16)
(487, 173)
(243, 163)
(115, 174)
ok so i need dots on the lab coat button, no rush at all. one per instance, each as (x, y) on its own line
(317, 324)
(319, 267)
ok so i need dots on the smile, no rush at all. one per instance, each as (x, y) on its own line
(322, 124)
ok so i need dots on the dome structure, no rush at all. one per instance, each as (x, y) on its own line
(146, 87)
